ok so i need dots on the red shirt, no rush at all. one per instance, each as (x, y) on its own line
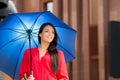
(42, 68)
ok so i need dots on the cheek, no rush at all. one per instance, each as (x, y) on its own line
(53, 36)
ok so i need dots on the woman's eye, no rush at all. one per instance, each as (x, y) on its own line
(53, 32)
(50, 31)
(46, 31)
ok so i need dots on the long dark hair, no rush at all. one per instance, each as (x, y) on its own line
(52, 47)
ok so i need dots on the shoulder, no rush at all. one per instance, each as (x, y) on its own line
(32, 49)
(60, 53)
(61, 56)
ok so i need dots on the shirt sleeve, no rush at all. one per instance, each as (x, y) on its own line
(62, 73)
(24, 67)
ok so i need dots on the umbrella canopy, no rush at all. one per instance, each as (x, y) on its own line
(15, 30)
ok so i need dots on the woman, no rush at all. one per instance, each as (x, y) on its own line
(48, 63)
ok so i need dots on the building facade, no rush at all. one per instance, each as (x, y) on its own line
(90, 18)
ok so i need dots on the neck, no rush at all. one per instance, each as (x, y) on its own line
(43, 49)
(44, 46)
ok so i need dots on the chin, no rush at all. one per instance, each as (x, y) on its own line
(49, 41)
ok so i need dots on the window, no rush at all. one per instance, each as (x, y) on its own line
(49, 6)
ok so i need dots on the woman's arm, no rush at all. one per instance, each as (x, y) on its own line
(21, 79)
(24, 67)
(62, 73)
(29, 78)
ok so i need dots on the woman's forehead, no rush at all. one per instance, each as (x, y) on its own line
(48, 27)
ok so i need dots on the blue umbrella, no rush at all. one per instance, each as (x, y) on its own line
(19, 31)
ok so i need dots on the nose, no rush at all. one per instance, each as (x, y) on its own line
(51, 34)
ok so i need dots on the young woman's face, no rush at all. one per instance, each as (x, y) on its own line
(47, 34)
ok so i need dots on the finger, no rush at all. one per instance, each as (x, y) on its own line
(31, 77)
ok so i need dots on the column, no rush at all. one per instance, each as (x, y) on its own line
(85, 41)
(57, 8)
(103, 15)
(66, 19)
(30, 5)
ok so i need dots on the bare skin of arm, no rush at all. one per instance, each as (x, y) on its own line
(29, 78)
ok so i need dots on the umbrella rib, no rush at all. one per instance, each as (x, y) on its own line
(65, 50)
(34, 41)
(15, 39)
(25, 27)
(35, 22)
(15, 30)
(66, 28)
(59, 39)
(35, 32)
(19, 55)
(36, 29)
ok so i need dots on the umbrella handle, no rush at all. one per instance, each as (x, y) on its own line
(31, 71)
(25, 78)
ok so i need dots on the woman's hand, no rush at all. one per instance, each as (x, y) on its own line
(30, 77)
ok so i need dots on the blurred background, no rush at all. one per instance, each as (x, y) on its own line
(97, 24)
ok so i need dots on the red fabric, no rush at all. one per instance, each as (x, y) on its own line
(41, 68)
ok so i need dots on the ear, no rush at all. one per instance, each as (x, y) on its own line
(40, 35)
